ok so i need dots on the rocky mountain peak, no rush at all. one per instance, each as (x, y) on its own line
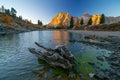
(62, 19)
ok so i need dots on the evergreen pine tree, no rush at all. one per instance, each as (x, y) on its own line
(20, 17)
(102, 19)
(3, 9)
(89, 22)
(7, 11)
(40, 23)
(13, 12)
(71, 22)
(81, 22)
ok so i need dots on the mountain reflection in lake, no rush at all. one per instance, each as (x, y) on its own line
(17, 63)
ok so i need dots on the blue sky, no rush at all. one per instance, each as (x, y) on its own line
(45, 10)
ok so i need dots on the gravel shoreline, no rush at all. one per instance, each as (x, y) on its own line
(97, 33)
(113, 44)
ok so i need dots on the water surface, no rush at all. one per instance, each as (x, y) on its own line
(17, 63)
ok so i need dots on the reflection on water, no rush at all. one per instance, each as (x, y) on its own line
(60, 36)
(17, 63)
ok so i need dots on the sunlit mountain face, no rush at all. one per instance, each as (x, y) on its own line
(63, 19)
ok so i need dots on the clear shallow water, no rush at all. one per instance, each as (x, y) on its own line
(17, 63)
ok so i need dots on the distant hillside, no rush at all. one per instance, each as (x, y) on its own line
(9, 21)
(102, 27)
(110, 20)
(15, 23)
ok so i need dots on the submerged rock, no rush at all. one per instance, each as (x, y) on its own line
(101, 76)
(91, 75)
(100, 58)
(115, 63)
(91, 63)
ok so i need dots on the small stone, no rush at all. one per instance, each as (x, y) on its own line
(71, 76)
(101, 76)
(91, 75)
(100, 58)
(59, 77)
(119, 47)
(81, 76)
(91, 63)
(115, 63)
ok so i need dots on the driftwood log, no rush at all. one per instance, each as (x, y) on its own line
(58, 57)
